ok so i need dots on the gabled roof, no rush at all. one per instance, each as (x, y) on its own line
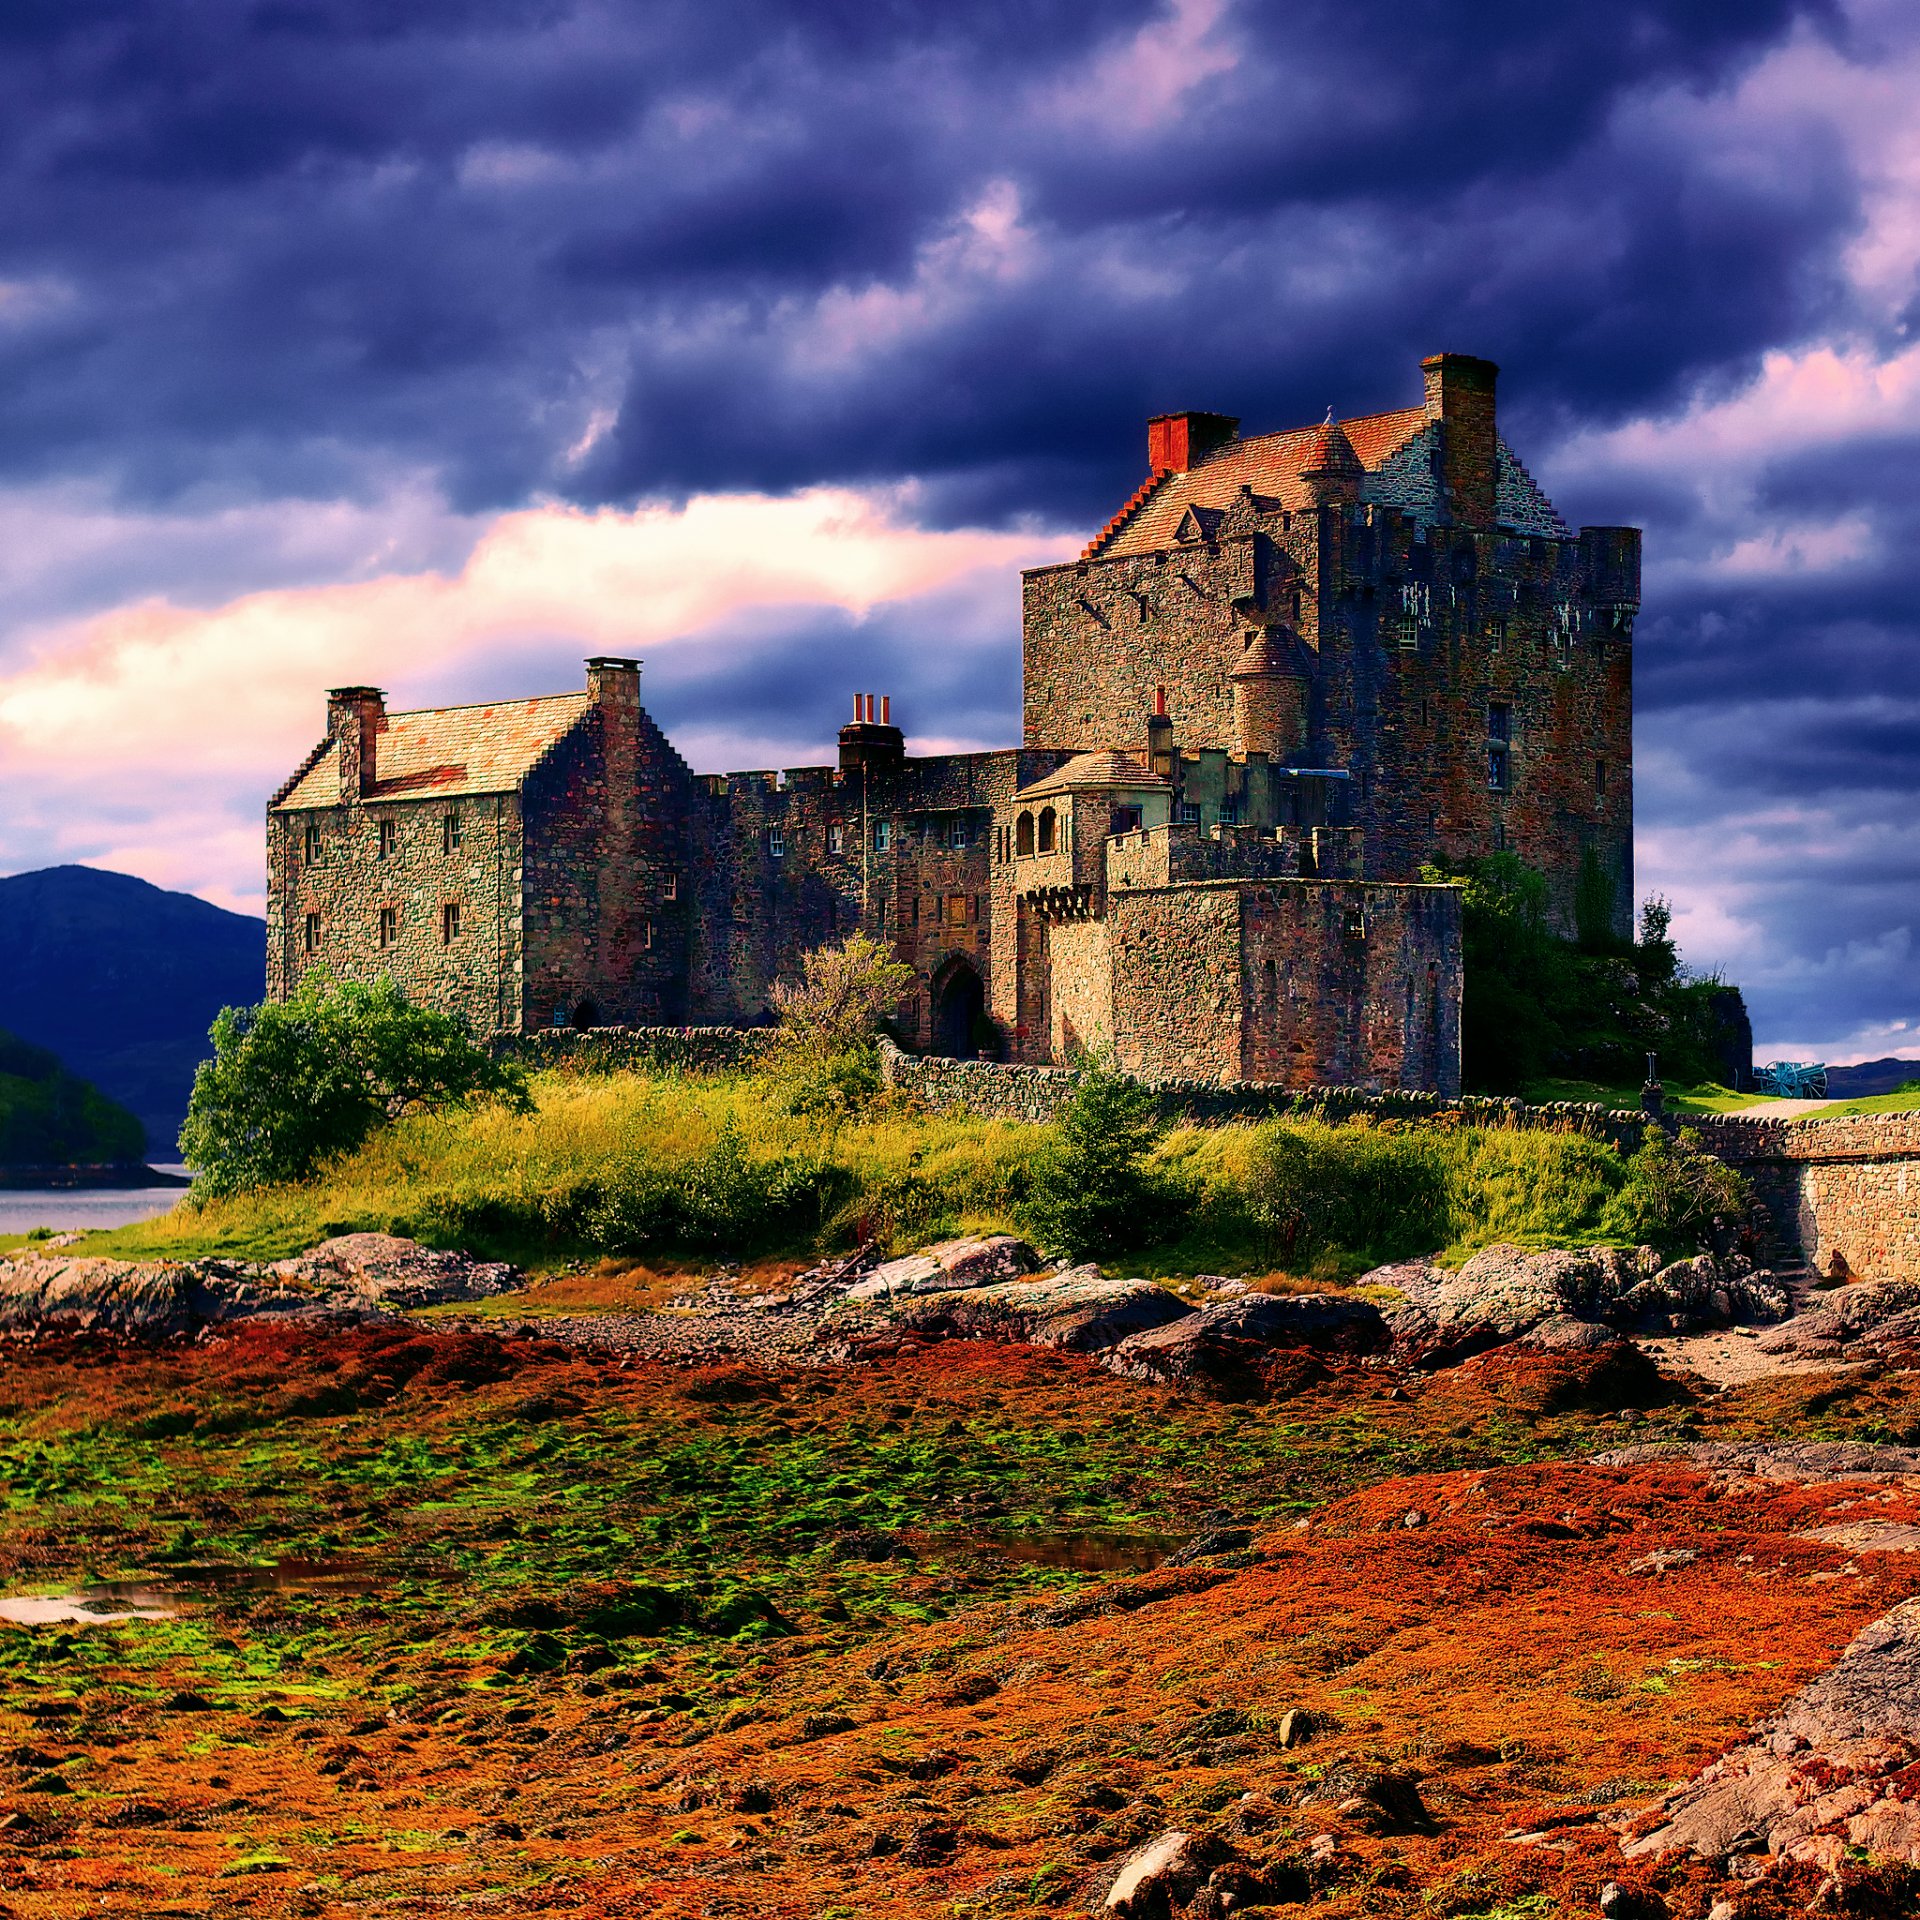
(1096, 772)
(447, 751)
(1272, 465)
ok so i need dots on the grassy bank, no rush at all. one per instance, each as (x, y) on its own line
(665, 1168)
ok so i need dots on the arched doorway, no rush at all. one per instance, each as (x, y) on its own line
(959, 1011)
(584, 1015)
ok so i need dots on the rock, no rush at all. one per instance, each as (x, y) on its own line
(949, 1267)
(1626, 1903)
(1563, 1334)
(1850, 1324)
(1298, 1726)
(1818, 1461)
(381, 1269)
(1506, 1293)
(1222, 1343)
(1827, 1776)
(140, 1299)
(1377, 1798)
(1156, 1879)
(1079, 1309)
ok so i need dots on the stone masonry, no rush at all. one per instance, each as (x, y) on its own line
(1292, 672)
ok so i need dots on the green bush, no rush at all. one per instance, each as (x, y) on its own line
(1316, 1189)
(294, 1083)
(1678, 1197)
(1092, 1189)
(723, 1200)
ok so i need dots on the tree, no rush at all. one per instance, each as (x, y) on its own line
(1092, 1190)
(828, 1019)
(295, 1082)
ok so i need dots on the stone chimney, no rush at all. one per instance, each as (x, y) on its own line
(613, 683)
(1460, 397)
(1178, 442)
(356, 717)
(872, 745)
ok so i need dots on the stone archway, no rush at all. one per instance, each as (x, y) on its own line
(959, 1010)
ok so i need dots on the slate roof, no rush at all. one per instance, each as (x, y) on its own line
(447, 751)
(1095, 772)
(1389, 453)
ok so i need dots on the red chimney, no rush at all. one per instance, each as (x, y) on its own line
(1178, 442)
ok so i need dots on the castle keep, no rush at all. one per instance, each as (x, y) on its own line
(1293, 670)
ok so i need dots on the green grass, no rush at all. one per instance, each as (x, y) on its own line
(1709, 1099)
(666, 1167)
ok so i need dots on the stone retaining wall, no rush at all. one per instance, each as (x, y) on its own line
(1849, 1186)
(992, 1091)
(624, 1049)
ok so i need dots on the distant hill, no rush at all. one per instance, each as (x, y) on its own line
(122, 980)
(1869, 1078)
(52, 1118)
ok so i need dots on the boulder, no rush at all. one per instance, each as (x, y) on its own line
(949, 1267)
(1223, 1343)
(1505, 1292)
(1828, 1776)
(381, 1269)
(1851, 1322)
(1156, 1880)
(140, 1299)
(1563, 1334)
(1079, 1309)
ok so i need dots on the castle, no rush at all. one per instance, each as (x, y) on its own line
(1294, 669)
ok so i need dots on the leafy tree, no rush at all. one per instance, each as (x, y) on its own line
(1538, 1007)
(292, 1084)
(1092, 1191)
(828, 1021)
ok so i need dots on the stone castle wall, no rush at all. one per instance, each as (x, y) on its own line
(1409, 641)
(1849, 1185)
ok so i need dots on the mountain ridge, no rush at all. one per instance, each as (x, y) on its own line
(121, 980)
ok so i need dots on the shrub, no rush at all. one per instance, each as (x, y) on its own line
(1092, 1191)
(1315, 1189)
(1678, 1197)
(294, 1083)
(826, 1058)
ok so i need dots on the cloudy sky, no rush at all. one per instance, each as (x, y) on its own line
(442, 344)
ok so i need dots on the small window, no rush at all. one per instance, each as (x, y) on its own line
(1023, 836)
(776, 844)
(389, 925)
(1599, 776)
(1124, 820)
(1049, 829)
(389, 838)
(836, 838)
(449, 923)
(559, 1016)
(960, 834)
(1496, 635)
(1230, 810)
(313, 842)
(882, 835)
(1187, 813)
(1499, 770)
(313, 933)
(670, 887)
(450, 833)
(1499, 720)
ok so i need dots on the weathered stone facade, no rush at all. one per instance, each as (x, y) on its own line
(1293, 670)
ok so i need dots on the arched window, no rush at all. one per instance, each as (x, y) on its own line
(1049, 829)
(1023, 835)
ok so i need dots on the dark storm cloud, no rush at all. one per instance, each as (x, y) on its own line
(474, 252)
(278, 245)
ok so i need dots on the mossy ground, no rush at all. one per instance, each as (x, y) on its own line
(636, 1640)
